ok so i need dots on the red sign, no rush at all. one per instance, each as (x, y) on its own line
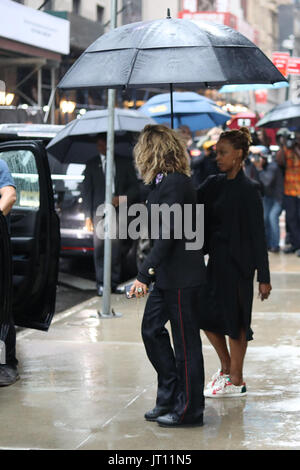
(294, 66)
(280, 60)
(261, 96)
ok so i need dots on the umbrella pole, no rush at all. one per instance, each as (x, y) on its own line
(107, 311)
(171, 102)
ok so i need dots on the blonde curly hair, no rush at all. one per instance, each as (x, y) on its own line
(160, 150)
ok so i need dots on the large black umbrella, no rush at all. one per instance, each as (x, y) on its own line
(286, 114)
(76, 142)
(170, 51)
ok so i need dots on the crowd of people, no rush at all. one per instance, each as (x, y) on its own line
(275, 169)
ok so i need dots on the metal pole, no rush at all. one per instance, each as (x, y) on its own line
(53, 89)
(51, 102)
(107, 312)
(39, 87)
(172, 110)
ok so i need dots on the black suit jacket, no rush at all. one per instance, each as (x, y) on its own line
(244, 225)
(93, 189)
(175, 266)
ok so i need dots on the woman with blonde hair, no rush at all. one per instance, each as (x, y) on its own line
(178, 272)
(236, 244)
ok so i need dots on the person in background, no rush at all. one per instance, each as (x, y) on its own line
(270, 176)
(288, 158)
(125, 184)
(205, 164)
(236, 245)
(9, 371)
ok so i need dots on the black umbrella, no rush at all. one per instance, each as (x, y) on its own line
(170, 52)
(286, 114)
(76, 142)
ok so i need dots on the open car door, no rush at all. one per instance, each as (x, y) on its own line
(35, 237)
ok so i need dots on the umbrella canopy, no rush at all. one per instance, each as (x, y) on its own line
(190, 109)
(170, 51)
(252, 86)
(76, 142)
(286, 114)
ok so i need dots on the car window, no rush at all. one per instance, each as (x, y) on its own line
(22, 166)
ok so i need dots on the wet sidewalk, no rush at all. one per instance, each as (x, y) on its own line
(87, 382)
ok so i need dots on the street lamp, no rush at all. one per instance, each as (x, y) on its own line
(67, 107)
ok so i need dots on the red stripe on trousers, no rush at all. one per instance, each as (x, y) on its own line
(185, 360)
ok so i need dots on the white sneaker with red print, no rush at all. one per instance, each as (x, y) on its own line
(224, 388)
(218, 376)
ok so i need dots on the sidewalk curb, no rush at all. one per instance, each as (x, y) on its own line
(62, 315)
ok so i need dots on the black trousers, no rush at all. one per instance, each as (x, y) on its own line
(292, 208)
(116, 255)
(180, 371)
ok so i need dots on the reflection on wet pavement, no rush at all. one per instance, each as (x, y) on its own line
(87, 382)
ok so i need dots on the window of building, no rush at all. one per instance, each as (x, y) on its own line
(207, 5)
(76, 6)
(100, 14)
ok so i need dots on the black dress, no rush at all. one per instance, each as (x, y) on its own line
(235, 242)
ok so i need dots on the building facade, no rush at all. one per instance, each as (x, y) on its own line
(31, 72)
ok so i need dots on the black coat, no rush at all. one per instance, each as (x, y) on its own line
(93, 190)
(243, 223)
(235, 242)
(175, 266)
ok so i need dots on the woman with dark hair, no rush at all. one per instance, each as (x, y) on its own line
(162, 161)
(235, 242)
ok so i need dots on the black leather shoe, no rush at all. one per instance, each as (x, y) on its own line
(153, 414)
(8, 375)
(100, 290)
(289, 249)
(171, 420)
(118, 290)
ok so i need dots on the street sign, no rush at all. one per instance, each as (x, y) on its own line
(280, 60)
(294, 66)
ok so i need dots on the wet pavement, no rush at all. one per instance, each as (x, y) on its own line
(87, 382)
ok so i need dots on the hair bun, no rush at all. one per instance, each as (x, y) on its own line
(246, 133)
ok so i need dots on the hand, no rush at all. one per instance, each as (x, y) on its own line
(115, 201)
(264, 291)
(89, 224)
(137, 285)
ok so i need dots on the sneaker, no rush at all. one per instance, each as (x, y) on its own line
(224, 388)
(219, 375)
(8, 375)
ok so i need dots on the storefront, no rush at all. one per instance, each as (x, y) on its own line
(32, 44)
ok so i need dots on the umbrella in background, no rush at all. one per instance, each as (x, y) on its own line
(190, 109)
(76, 142)
(252, 86)
(165, 52)
(286, 114)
